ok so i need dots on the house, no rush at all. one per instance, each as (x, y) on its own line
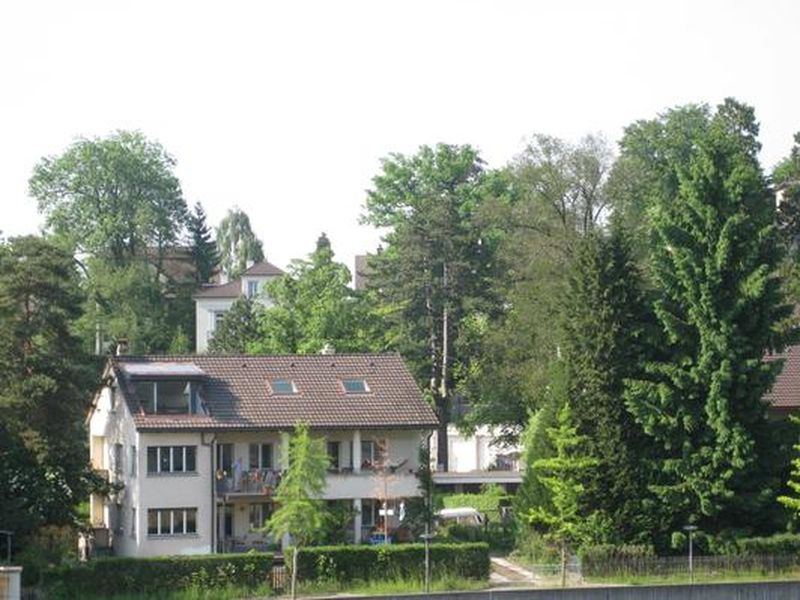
(476, 460)
(784, 397)
(196, 444)
(214, 300)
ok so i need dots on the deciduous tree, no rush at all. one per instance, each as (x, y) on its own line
(237, 244)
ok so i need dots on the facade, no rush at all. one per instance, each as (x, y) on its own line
(476, 460)
(214, 300)
(196, 444)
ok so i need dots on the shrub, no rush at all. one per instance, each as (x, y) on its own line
(499, 536)
(782, 544)
(109, 576)
(598, 558)
(385, 562)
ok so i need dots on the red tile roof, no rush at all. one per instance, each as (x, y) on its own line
(233, 289)
(237, 396)
(785, 393)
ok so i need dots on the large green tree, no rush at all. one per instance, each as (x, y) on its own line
(237, 244)
(436, 269)
(313, 306)
(45, 384)
(204, 249)
(714, 254)
(239, 329)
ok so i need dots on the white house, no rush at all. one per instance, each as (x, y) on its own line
(197, 444)
(214, 300)
(475, 460)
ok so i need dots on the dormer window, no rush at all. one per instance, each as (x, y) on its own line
(281, 387)
(168, 397)
(355, 386)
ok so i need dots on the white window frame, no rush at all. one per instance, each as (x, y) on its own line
(252, 289)
(172, 470)
(165, 523)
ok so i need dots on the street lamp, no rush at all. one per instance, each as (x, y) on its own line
(427, 537)
(691, 529)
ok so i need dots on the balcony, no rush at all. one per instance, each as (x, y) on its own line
(256, 482)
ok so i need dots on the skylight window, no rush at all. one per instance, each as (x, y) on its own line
(282, 386)
(355, 386)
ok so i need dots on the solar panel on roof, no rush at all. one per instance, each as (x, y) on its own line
(162, 369)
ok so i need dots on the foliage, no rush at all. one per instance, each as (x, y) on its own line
(713, 256)
(499, 536)
(792, 502)
(204, 249)
(436, 268)
(781, 544)
(384, 562)
(45, 381)
(239, 328)
(488, 502)
(313, 307)
(590, 554)
(109, 576)
(237, 244)
(113, 197)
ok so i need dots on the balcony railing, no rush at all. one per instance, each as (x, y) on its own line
(253, 482)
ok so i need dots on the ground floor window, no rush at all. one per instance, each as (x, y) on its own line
(171, 521)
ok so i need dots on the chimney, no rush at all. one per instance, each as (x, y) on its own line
(249, 263)
(327, 349)
(122, 347)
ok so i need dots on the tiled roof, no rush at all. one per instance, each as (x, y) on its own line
(261, 269)
(233, 289)
(237, 395)
(785, 394)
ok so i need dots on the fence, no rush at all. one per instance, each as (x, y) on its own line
(703, 567)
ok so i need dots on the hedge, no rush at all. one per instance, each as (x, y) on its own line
(381, 562)
(109, 576)
(600, 559)
(782, 544)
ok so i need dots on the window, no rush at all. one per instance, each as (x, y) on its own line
(368, 513)
(333, 456)
(218, 317)
(171, 459)
(168, 397)
(373, 453)
(259, 513)
(260, 456)
(252, 289)
(225, 457)
(171, 521)
(282, 386)
(133, 461)
(133, 523)
(355, 386)
(116, 458)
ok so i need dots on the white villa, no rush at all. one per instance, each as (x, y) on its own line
(214, 300)
(196, 444)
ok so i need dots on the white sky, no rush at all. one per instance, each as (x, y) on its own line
(285, 108)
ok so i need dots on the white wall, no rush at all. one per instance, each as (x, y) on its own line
(204, 319)
(471, 453)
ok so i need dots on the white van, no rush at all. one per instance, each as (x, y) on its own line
(465, 515)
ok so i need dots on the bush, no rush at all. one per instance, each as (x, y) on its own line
(386, 562)
(109, 576)
(782, 544)
(499, 536)
(597, 558)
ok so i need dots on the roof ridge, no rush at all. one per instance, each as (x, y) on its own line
(251, 356)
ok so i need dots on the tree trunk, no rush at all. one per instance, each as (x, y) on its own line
(294, 572)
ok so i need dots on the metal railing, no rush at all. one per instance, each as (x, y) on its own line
(256, 481)
(703, 567)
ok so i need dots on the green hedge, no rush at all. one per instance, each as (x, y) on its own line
(600, 559)
(366, 563)
(108, 576)
(782, 544)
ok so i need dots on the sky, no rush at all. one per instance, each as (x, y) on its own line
(285, 109)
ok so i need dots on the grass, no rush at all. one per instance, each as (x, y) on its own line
(196, 593)
(699, 577)
(390, 586)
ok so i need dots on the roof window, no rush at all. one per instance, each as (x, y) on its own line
(355, 386)
(282, 386)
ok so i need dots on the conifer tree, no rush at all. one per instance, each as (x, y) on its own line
(713, 257)
(204, 248)
(792, 502)
(605, 320)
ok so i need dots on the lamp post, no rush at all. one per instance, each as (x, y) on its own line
(427, 537)
(691, 529)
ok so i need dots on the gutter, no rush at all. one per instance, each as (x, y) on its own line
(210, 446)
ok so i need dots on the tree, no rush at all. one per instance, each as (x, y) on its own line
(313, 307)
(606, 331)
(540, 207)
(562, 522)
(792, 502)
(237, 244)
(713, 256)
(114, 197)
(437, 265)
(239, 328)
(204, 249)
(301, 513)
(45, 382)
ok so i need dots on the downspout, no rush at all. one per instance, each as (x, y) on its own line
(210, 446)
